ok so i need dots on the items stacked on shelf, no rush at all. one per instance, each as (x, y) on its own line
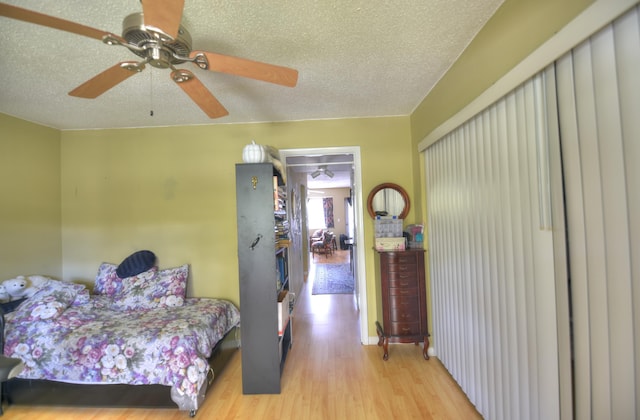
(282, 270)
(280, 212)
(282, 232)
(279, 197)
(389, 234)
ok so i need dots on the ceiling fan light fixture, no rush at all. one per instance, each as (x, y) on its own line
(322, 170)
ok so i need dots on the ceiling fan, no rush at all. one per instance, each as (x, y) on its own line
(322, 169)
(157, 36)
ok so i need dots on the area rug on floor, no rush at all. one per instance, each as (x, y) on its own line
(332, 279)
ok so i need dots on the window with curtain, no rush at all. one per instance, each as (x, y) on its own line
(327, 205)
(320, 213)
(315, 213)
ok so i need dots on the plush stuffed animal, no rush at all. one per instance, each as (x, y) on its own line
(23, 287)
(4, 295)
(37, 281)
(16, 288)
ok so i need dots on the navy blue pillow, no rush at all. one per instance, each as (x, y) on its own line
(11, 306)
(136, 263)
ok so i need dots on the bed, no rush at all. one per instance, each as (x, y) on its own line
(133, 342)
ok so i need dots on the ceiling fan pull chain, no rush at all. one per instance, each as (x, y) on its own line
(151, 93)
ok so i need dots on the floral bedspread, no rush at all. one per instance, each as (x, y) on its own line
(91, 342)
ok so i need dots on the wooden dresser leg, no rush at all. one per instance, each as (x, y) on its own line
(380, 333)
(425, 350)
(382, 341)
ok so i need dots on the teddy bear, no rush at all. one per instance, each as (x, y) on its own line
(4, 295)
(22, 286)
(17, 288)
(37, 281)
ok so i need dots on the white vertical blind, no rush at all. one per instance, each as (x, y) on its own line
(492, 268)
(518, 201)
(599, 111)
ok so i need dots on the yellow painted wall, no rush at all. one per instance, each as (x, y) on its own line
(172, 190)
(30, 196)
(516, 29)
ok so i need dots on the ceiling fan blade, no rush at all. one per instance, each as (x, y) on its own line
(199, 93)
(25, 15)
(104, 81)
(247, 68)
(163, 16)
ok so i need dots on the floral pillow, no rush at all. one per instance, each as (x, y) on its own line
(153, 289)
(52, 299)
(82, 295)
(107, 281)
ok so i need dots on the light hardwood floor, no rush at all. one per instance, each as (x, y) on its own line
(328, 375)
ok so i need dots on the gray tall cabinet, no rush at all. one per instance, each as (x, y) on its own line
(263, 269)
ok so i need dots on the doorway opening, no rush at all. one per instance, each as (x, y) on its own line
(317, 172)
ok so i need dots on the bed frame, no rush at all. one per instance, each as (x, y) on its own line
(43, 392)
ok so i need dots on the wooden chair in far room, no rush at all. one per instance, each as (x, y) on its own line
(316, 236)
(323, 245)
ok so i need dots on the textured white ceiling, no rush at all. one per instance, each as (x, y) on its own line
(364, 58)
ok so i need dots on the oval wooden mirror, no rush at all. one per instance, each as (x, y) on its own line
(388, 200)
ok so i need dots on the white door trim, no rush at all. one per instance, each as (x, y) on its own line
(358, 221)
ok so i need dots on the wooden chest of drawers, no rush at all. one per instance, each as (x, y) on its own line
(402, 299)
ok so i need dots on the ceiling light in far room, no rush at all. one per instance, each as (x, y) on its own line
(321, 170)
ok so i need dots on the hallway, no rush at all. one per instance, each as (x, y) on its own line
(327, 315)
